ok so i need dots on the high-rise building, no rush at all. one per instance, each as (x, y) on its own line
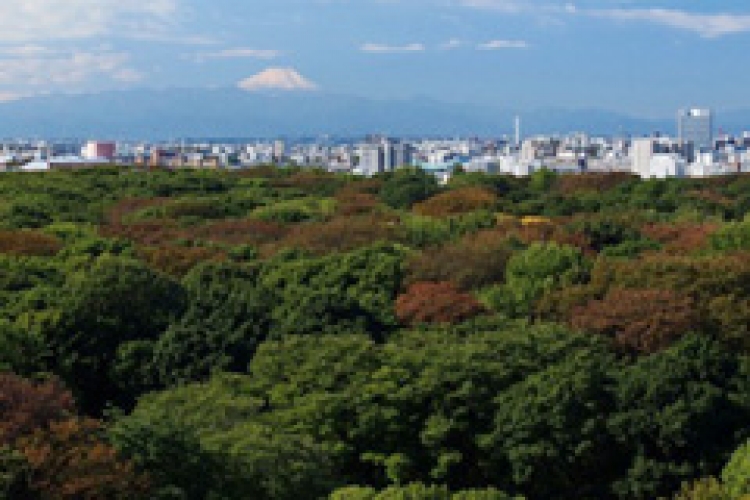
(402, 155)
(372, 159)
(696, 126)
(279, 151)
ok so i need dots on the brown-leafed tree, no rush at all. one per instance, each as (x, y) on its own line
(238, 232)
(29, 244)
(457, 201)
(178, 261)
(680, 239)
(441, 303)
(61, 456)
(349, 203)
(591, 182)
(475, 261)
(27, 406)
(638, 320)
(342, 234)
(71, 461)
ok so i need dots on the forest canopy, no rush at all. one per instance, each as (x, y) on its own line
(295, 334)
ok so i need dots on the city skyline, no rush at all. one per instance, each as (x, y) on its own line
(644, 58)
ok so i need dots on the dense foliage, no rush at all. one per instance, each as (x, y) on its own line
(294, 334)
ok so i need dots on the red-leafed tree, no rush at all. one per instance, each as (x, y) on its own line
(436, 303)
(638, 321)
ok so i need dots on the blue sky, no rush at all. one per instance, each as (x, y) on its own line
(644, 57)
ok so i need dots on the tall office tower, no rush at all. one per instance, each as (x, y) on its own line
(696, 126)
(518, 131)
(279, 150)
(387, 154)
(402, 155)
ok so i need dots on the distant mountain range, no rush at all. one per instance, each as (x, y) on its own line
(177, 113)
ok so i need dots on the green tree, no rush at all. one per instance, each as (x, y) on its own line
(736, 474)
(550, 437)
(403, 411)
(678, 413)
(405, 187)
(732, 237)
(542, 180)
(14, 472)
(21, 352)
(101, 308)
(177, 465)
(539, 269)
(218, 424)
(704, 489)
(227, 317)
(352, 292)
(416, 492)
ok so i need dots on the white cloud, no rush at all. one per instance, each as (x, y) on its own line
(287, 79)
(61, 45)
(705, 25)
(376, 48)
(25, 51)
(503, 44)
(10, 96)
(239, 53)
(32, 20)
(39, 69)
(520, 6)
(451, 44)
(508, 6)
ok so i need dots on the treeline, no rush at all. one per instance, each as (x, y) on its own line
(294, 334)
